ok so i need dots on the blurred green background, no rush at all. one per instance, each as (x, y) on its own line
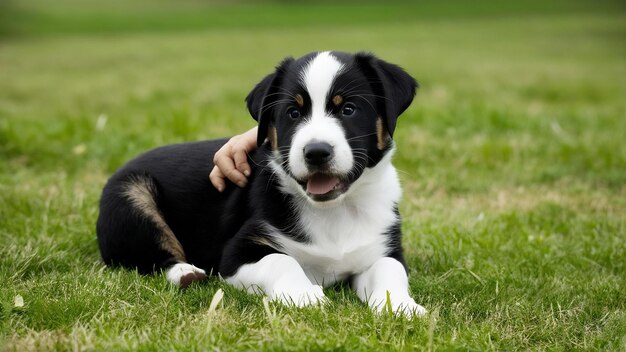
(512, 158)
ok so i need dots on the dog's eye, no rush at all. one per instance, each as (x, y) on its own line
(293, 113)
(348, 109)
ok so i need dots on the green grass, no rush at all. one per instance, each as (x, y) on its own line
(512, 156)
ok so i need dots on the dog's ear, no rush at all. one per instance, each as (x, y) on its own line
(255, 101)
(391, 82)
(262, 96)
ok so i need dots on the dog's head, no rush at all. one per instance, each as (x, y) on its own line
(328, 116)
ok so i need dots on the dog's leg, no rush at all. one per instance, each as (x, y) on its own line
(141, 191)
(132, 230)
(281, 278)
(385, 277)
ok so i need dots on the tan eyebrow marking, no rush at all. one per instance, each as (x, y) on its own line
(337, 99)
(299, 100)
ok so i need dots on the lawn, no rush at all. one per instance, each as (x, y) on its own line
(512, 159)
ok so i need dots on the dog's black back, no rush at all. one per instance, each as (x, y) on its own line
(177, 177)
(161, 209)
(202, 218)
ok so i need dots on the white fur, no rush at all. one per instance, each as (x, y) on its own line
(318, 77)
(345, 236)
(348, 237)
(386, 275)
(177, 271)
(281, 278)
(320, 129)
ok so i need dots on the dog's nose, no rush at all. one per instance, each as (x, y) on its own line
(318, 153)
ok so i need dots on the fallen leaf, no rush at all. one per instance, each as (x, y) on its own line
(79, 149)
(19, 301)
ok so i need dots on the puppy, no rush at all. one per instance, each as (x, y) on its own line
(321, 205)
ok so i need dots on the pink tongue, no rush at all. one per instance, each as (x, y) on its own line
(321, 184)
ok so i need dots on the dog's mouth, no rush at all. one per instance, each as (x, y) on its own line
(323, 187)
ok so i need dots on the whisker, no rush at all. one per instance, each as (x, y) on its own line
(268, 106)
(353, 81)
(374, 95)
(285, 91)
(362, 136)
(367, 101)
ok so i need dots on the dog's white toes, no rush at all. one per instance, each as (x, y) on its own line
(404, 306)
(409, 309)
(300, 297)
(183, 274)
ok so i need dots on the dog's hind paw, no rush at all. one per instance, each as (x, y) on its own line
(183, 274)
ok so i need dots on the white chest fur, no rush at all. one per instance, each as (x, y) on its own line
(349, 237)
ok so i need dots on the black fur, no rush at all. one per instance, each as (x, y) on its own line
(389, 81)
(219, 232)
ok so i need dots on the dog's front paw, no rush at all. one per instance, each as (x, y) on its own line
(299, 296)
(403, 305)
(408, 308)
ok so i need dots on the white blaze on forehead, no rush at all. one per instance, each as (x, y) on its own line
(318, 77)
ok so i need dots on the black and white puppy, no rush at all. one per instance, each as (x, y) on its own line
(321, 205)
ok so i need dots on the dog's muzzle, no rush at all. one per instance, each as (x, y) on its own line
(322, 184)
